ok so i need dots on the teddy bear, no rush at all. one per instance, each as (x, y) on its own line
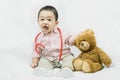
(92, 58)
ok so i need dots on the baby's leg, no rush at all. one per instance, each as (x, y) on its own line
(45, 63)
(44, 68)
(67, 67)
(67, 62)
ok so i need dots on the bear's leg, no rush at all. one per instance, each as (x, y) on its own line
(89, 66)
(97, 67)
(77, 63)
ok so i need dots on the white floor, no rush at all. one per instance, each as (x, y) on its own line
(15, 66)
(18, 27)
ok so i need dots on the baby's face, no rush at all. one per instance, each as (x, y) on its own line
(47, 21)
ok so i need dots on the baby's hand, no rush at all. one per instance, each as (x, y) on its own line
(34, 65)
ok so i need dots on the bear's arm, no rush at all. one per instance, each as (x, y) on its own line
(80, 55)
(104, 57)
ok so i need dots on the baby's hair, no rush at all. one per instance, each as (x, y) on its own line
(49, 8)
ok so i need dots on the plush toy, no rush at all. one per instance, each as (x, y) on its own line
(91, 58)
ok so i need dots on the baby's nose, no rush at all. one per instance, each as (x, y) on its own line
(45, 21)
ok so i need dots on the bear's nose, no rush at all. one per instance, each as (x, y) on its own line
(82, 44)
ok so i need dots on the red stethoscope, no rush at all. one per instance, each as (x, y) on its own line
(40, 44)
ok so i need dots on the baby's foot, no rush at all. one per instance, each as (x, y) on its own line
(65, 72)
(42, 72)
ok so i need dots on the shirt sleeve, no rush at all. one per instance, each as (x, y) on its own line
(37, 46)
(34, 53)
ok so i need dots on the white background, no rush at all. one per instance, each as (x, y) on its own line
(18, 27)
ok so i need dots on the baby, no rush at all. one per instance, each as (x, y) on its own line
(52, 46)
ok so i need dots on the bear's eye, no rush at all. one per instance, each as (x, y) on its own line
(84, 40)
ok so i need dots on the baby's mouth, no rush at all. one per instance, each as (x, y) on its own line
(45, 27)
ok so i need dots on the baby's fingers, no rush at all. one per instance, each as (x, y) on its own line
(33, 65)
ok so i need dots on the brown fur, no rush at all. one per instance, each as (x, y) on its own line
(91, 58)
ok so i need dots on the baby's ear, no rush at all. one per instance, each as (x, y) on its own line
(57, 22)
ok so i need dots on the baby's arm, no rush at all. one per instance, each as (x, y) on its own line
(70, 39)
(35, 61)
(35, 57)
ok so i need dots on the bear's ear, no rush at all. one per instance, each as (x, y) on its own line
(76, 39)
(90, 31)
(74, 42)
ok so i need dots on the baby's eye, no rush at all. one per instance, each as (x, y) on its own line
(42, 19)
(49, 19)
